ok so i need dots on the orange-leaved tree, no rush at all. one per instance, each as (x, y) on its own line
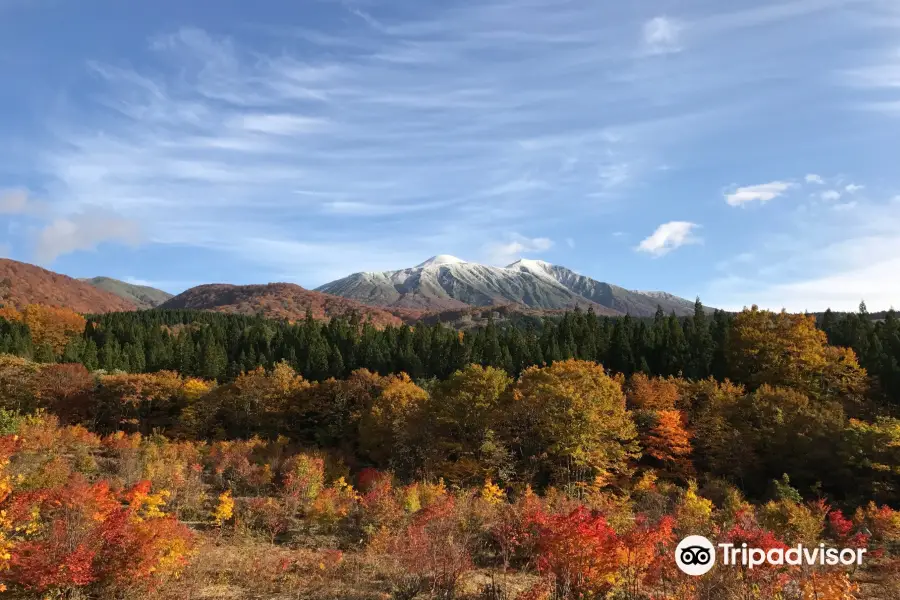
(654, 393)
(83, 536)
(52, 325)
(579, 553)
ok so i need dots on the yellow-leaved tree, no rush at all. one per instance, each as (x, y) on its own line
(568, 424)
(387, 422)
(461, 420)
(788, 350)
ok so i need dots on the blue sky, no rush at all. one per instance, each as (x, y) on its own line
(744, 151)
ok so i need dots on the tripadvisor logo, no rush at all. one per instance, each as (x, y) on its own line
(695, 555)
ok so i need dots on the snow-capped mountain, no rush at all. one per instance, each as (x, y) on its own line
(446, 282)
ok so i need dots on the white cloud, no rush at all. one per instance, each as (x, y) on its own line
(668, 237)
(763, 193)
(570, 242)
(845, 206)
(83, 231)
(830, 195)
(18, 201)
(504, 253)
(5, 250)
(278, 124)
(66, 233)
(813, 178)
(853, 188)
(832, 259)
(662, 35)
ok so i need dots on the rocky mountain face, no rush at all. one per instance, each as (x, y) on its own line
(446, 282)
(142, 296)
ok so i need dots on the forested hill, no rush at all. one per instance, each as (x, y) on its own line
(22, 283)
(220, 346)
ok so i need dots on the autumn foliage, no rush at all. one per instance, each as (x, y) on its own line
(568, 482)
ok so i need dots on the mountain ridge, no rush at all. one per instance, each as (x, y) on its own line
(276, 300)
(445, 282)
(142, 296)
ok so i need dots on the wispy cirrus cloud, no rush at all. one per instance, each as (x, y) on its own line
(403, 124)
(371, 135)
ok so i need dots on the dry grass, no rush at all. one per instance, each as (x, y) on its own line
(247, 569)
(241, 568)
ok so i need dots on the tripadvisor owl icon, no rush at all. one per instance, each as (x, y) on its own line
(695, 555)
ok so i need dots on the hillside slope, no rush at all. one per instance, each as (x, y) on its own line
(29, 284)
(274, 300)
(142, 296)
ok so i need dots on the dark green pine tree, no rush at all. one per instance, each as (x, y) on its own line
(185, 355)
(74, 351)
(459, 354)
(676, 347)
(700, 344)
(336, 367)
(621, 357)
(719, 332)
(213, 360)
(110, 354)
(89, 356)
(492, 354)
(316, 367)
(43, 353)
(828, 325)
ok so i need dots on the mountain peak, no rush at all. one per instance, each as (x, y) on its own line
(440, 259)
(527, 262)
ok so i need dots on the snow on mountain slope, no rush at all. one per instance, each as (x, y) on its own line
(440, 259)
(611, 296)
(446, 282)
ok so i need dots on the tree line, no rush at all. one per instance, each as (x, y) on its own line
(221, 346)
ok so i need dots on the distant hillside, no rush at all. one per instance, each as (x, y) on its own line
(142, 296)
(447, 283)
(28, 284)
(276, 300)
(478, 316)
